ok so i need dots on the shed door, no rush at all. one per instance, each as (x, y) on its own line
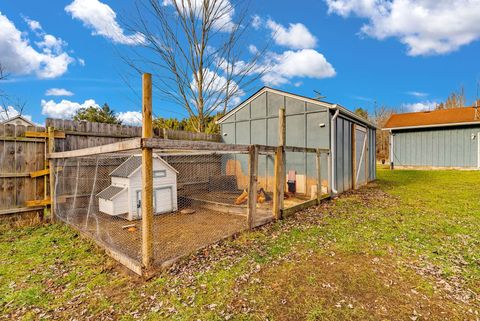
(360, 155)
(162, 200)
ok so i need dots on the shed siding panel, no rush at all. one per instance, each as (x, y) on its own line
(257, 107)
(242, 132)
(228, 133)
(308, 125)
(439, 147)
(243, 113)
(274, 103)
(294, 106)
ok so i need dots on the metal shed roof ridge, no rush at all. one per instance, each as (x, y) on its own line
(435, 118)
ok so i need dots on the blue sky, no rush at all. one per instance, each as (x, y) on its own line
(404, 54)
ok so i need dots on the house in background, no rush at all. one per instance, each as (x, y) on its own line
(124, 196)
(309, 123)
(18, 120)
(447, 138)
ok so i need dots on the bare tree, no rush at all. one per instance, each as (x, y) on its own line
(197, 51)
(454, 100)
(380, 118)
(6, 101)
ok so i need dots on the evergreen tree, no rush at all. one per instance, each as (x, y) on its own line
(103, 114)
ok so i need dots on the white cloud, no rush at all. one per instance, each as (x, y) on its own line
(224, 11)
(10, 112)
(58, 92)
(19, 57)
(253, 49)
(101, 18)
(81, 62)
(33, 24)
(64, 109)
(426, 27)
(417, 94)
(302, 63)
(296, 36)
(51, 44)
(133, 118)
(420, 106)
(256, 22)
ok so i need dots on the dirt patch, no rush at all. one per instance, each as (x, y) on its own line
(340, 286)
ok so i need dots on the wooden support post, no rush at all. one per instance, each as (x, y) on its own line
(51, 149)
(282, 127)
(279, 183)
(354, 157)
(252, 186)
(147, 175)
(279, 167)
(319, 175)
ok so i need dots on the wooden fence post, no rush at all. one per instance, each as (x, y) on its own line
(279, 167)
(147, 175)
(319, 175)
(51, 149)
(252, 186)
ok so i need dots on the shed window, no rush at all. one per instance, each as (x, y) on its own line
(161, 173)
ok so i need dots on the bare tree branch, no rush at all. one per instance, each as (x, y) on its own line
(197, 50)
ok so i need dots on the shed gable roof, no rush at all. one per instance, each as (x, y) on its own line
(435, 118)
(324, 104)
(10, 120)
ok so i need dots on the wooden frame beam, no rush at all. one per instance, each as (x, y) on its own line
(124, 145)
(178, 145)
(35, 203)
(57, 134)
(18, 210)
(40, 173)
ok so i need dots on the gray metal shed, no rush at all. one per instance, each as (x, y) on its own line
(309, 123)
(442, 138)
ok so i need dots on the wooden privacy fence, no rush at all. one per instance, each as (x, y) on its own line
(21, 159)
(24, 190)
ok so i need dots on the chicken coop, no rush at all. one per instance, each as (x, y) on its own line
(123, 198)
(149, 201)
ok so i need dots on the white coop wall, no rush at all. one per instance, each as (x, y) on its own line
(119, 181)
(120, 203)
(135, 184)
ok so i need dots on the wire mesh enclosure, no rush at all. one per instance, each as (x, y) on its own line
(199, 198)
(306, 178)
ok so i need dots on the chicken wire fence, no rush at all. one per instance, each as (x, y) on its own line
(199, 197)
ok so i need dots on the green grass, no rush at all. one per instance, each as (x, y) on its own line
(383, 252)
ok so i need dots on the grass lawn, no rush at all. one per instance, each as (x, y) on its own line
(406, 247)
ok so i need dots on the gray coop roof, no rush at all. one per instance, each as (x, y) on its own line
(128, 167)
(110, 192)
